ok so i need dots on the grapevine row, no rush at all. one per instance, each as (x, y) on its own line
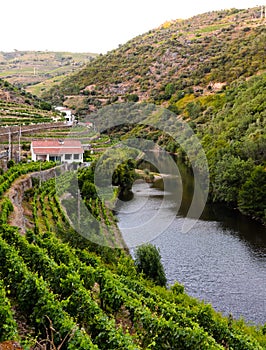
(20, 169)
(8, 326)
(76, 299)
(115, 294)
(36, 300)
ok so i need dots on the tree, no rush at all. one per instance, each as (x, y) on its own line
(252, 199)
(193, 109)
(148, 261)
(169, 90)
(124, 177)
(228, 175)
(132, 98)
(10, 163)
(88, 190)
(46, 106)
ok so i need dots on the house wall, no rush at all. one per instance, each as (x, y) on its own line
(68, 158)
(65, 158)
(33, 155)
(42, 157)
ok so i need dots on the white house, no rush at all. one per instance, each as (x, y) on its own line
(64, 151)
(69, 117)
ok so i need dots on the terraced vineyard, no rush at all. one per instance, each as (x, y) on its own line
(37, 69)
(16, 171)
(20, 114)
(70, 293)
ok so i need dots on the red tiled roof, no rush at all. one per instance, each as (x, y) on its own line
(57, 147)
(55, 143)
(43, 150)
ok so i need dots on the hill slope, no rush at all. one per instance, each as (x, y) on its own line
(201, 54)
(209, 71)
(18, 107)
(38, 69)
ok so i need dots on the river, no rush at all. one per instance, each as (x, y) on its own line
(221, 259)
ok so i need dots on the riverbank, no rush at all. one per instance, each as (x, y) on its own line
(214, 260)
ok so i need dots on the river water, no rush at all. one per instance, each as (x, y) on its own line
(221, 259)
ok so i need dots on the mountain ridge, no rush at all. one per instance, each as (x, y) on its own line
(217, 47)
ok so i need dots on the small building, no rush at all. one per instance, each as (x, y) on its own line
(89, 124)
(69, 117)
(64, 151)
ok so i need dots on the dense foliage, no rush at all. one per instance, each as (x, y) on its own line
(234, 139)
(148, 261)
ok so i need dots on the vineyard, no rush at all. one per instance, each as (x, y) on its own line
(60, 290)
(15, 114)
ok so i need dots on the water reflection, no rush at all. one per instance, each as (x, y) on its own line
(249, 230)
(254, 233)
(221, 260)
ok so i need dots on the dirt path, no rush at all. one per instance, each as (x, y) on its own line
(16, 195)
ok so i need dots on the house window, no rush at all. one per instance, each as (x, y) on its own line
(76, 156)
(68, 156)
(55, 158)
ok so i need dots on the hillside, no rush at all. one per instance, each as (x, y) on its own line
(210, 71)
(36, 70)
(19, 107)
(22, 117)
(12, 94)
(203, 54)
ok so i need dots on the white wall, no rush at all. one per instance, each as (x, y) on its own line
(34, 157)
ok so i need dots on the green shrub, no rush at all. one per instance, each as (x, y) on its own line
(148, 261)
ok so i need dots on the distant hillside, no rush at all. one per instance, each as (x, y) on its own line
(19, 107)
(202, 55)
(38, 69)
(14, 94)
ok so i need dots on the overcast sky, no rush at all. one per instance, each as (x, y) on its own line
(92, 25)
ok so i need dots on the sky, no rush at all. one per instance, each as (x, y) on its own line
(95, 26)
